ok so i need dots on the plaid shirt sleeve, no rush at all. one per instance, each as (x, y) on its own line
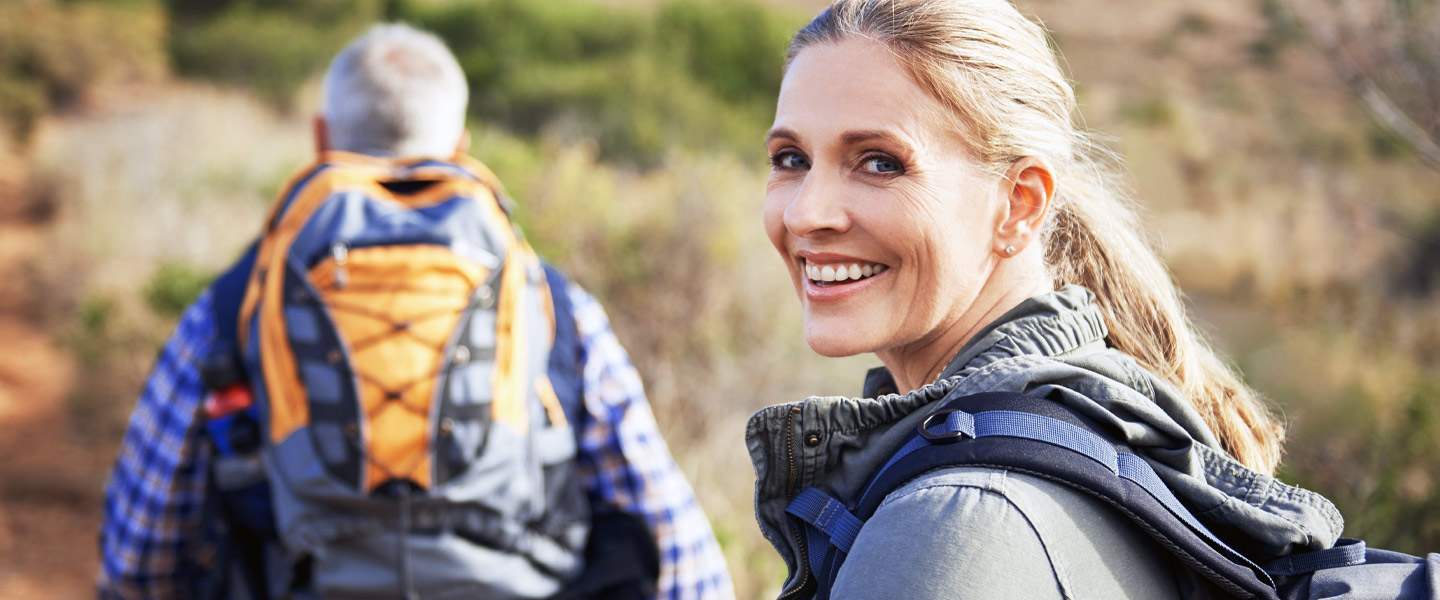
(153, 503)
(151, 527)
(624, 460)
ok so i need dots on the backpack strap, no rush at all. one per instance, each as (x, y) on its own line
(238, 520)
(566, 354)
(226, 294)
(567, 369)
(1347, 552)
(1038, 437)
(622, 559)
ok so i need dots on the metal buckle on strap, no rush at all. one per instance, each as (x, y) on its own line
(949, 434)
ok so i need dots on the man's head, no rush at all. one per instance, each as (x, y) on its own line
(394, 91)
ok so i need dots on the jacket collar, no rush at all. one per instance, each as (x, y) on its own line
(1046, 325)
(1051, 345)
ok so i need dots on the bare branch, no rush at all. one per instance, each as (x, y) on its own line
(1376, 101)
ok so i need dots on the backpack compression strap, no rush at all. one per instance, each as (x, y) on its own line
(227, 293)
(1035, 436)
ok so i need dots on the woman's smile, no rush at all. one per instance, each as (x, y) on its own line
(875, 204)
(832, 277)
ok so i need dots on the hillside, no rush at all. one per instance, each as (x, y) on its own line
(1299, 229)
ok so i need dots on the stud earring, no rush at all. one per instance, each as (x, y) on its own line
(1009, 250)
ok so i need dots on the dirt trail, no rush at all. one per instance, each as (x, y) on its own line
(48, 515)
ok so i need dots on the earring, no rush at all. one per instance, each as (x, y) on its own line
(1009, 250)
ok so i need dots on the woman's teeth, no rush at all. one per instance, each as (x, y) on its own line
(834, 273)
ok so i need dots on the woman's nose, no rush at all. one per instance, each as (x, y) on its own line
(817, 208)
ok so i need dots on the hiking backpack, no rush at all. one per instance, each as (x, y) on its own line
(1042, 438)
(415, 374)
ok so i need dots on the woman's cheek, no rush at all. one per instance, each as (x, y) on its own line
(773, 217)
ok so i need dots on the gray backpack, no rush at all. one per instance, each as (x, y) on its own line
(397, 335)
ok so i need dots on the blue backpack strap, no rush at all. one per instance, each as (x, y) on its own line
(223, 366)
(567, 374)
(240, 518)
(299, 183)
(227, 293)
(1346, 552)
(1349, 569)
(1038, 437)
(622, 559)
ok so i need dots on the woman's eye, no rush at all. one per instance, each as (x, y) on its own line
(882, 165)
(789, 160)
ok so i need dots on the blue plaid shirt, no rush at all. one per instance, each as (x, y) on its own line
(151, 529)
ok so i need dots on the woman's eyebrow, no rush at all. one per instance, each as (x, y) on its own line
(851, 138)
(782, 133)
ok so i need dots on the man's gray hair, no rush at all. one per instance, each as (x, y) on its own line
(395, 91)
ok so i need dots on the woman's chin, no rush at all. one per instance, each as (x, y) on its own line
(834, 344)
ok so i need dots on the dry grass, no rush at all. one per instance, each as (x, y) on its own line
(676, 254)
(679, 258)
(1261, 179)
(172, 176)
(179, 174)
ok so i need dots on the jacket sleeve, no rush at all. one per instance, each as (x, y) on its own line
(151, 522)
(977, 532)
(952, 538)
(624, 461)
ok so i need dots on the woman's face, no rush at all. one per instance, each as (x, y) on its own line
(885, 222)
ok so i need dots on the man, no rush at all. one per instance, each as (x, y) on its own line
(394, 92)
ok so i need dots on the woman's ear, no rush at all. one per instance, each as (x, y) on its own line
(1028, 187)
(320, 130)
(463, 146)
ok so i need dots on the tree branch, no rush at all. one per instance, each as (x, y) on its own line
(1375, 100)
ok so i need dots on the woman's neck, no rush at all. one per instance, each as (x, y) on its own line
(921, 363)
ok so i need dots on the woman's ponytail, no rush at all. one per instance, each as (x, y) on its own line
(1095, 240)
(997, 73)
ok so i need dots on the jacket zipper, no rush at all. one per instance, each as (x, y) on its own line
(804, 563)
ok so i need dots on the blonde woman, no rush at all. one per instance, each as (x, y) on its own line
(936, 204)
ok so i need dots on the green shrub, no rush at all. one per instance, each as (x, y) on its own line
(1156, 111)
(641, 82)
(22, 103)
(52, 53)
(173, 287)
(1281, 31)
(736, 49)
(1379, 469)
(269, 50)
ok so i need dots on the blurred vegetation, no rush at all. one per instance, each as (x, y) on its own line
(639, 81)
(629, 132)
(51, 53)
(174, 286)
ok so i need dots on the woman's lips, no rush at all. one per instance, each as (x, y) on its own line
(841, 272)
(831, 281)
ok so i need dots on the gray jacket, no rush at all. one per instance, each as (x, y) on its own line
(1052, 345)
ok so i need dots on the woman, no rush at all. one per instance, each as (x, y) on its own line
(936, 204)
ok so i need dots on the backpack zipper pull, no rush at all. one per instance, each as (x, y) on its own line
(340, 252)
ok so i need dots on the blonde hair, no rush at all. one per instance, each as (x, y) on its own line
(1003, 84)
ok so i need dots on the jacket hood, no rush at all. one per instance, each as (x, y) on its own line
(1051, 346)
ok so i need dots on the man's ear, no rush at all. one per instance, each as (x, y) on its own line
(322, 134)
(463, 146)
(1028, 186)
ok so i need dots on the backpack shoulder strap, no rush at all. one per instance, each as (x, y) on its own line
(223, 366)
(226, 294)
(1041, 438)
(567, 374)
